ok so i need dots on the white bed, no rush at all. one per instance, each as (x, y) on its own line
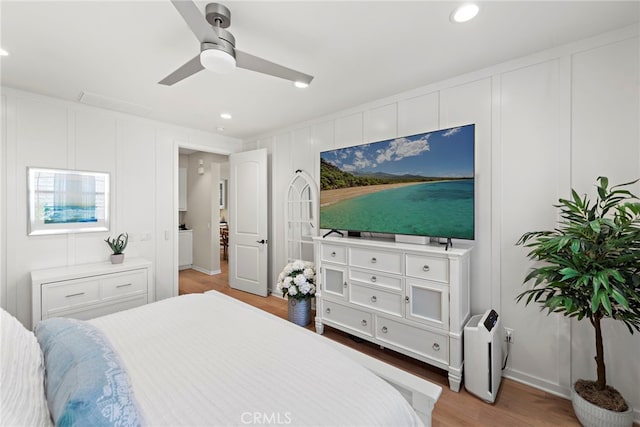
(207, 359)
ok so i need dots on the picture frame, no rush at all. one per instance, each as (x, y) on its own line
(223, 194)
(67, 201)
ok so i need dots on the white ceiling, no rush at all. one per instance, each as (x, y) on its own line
(357, 51)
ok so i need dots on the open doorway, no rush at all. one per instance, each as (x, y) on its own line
(202, 221)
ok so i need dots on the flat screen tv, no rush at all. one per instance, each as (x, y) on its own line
(421, 185)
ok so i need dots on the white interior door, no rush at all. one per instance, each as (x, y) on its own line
(248, 240)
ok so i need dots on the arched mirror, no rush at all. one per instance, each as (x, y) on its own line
(301, 222)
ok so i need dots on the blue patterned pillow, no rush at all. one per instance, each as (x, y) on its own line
(86, 383)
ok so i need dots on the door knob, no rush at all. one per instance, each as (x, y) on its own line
(262, 242)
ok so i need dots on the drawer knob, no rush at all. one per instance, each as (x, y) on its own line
(74, 295)
(345, 284)
(384, 329)
(363, 323)
(406, 299)
(333, 254)
(425, 268)
(374, 278)
(373, 260)
(374, 299)
(328, 310)
(436, 346)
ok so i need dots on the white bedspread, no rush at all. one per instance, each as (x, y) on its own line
(207, 359)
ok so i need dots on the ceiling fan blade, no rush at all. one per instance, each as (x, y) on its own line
(253, 63)
(188, 69)
(195, 20)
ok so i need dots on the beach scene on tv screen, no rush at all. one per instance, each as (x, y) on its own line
(416, 185)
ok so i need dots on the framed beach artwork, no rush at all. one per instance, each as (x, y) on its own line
(67, 201)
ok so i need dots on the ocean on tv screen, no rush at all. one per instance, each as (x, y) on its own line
(437, 209)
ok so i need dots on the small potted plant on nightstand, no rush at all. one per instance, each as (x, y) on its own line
(591, 271)
(117, 245)
(297, 283)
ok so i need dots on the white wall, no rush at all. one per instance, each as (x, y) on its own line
(141, 156)
(544, 123)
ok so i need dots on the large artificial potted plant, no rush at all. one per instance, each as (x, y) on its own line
(591, 270)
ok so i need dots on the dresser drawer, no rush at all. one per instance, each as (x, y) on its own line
(376, 299)
(334, 253)
(69, 294)
(408, 337)
(123, 285)
(429, 268)
(377, 279)
(389, 262)
(95, 310)
(349, 317)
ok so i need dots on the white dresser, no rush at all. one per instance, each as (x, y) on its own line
(86, 291)
(413, 299)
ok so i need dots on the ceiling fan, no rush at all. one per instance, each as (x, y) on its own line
(217, 47)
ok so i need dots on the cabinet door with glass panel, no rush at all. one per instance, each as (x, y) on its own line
(427, 302)
(334, 282)
(301, 220)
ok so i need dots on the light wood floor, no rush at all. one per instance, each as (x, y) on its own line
(516, 405)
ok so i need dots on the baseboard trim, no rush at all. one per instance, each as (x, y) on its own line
(538, 383)
(205, 271)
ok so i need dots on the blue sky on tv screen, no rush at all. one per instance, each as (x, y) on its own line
(443, 153)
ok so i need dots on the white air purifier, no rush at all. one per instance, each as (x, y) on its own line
(483, 355)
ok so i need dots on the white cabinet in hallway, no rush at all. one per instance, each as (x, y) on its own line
(185, 249)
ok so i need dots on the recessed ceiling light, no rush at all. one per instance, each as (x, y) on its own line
(301, 85)
(225, 116)
(465, 13)
(3, 52)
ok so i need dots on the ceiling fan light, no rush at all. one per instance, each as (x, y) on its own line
(217, 60)
(300, 85)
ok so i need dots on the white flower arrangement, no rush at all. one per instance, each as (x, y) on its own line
(297, 280)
